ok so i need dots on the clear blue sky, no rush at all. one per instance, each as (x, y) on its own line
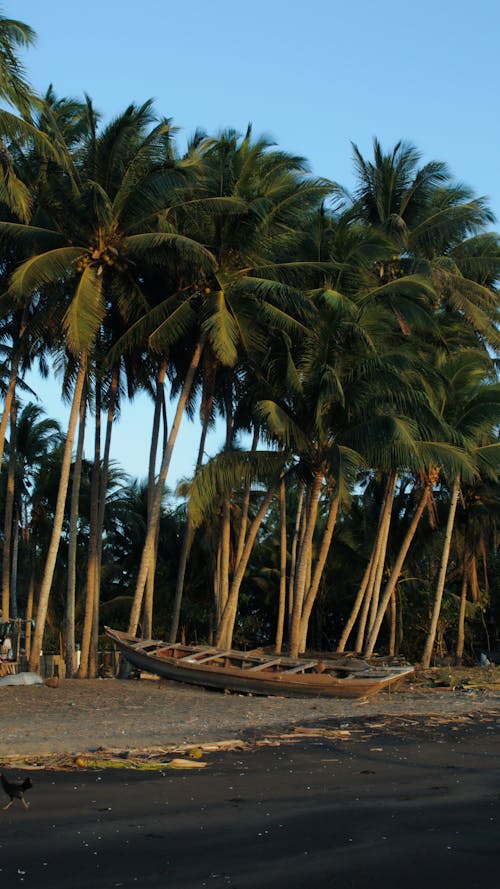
(313, 75)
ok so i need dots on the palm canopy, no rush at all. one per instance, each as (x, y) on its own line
(99, 225)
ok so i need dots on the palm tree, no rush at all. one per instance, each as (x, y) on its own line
(95, 233)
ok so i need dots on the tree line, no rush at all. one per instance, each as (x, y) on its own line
(346, 341)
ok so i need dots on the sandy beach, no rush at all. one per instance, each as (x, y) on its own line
(401, 789)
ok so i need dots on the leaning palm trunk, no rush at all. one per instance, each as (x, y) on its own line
(278, 642)
(293, 556)
(391, 489)
(147, 553)
(55, 540)
(72, 548)
(147, 618)
(356, 607)
(9, 515)
(319, 567)
(396, 571)
(431, 636)
(187, 542)
(225, 552)
(378, 549)
(303, 563)
(224, 636)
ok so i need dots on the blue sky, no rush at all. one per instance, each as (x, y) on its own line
(314, 76)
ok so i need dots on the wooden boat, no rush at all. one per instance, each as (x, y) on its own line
(255, 673)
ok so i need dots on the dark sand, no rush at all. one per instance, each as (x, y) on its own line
(406, 796)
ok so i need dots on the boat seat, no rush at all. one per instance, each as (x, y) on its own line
(205, 660)
(305, 665)
(263, 666)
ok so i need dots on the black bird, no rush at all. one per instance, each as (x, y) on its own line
(16, 790)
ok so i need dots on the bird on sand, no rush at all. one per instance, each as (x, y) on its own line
(16, 790)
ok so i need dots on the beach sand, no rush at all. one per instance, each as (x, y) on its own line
(400, 790)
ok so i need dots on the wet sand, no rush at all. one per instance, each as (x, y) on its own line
(398, 801)
(400, 789)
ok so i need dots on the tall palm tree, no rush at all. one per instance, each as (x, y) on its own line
(100, 224)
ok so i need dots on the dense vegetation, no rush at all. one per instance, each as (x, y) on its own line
(346, 342)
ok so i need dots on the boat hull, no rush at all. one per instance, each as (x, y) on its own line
(254, 674)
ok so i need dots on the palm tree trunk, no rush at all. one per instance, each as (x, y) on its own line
(245, 505)
(320, 566)
(147, 552)
(94, 643)
(226, 628)
(147, 617)
(396, 571)
(356, 607)
(392, 634)
(72, 548)
(87, 667)
(463, 606)
(55, 540)
(11, 388)
(9, 514)
(187, 541)
(377, 552)
(14, 565)
(278, 642)
(103, 487)
(293, 556)
(29, 607)
(431, 636)
(391, 490)
(302, 563)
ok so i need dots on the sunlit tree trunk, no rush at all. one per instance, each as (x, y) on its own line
(278, 642)
(73, 546)
(393, 627)
(55, 540)
(293, 555)
(87, 665)
(94, 639)
(187, 542)
(9, 515)
(378, 558)
(224, 635)
(356, 607)
(303, 561)
(319, 567)
(391, 489)
(396, 570)
(431, 636)
(463, 606)
(147, 622)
